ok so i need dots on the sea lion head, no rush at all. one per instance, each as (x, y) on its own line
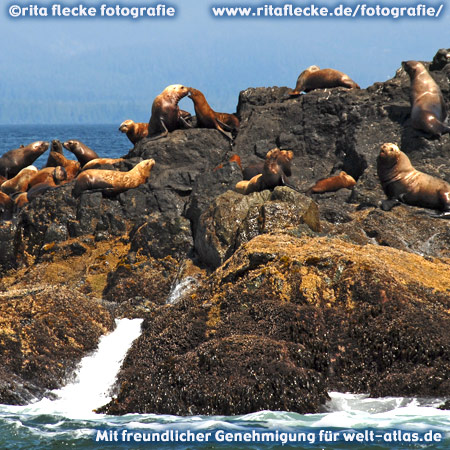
(194, 93)
(176, 91)
(389, 153)
(301, 80)
(126, 125)
(312, 69)
(70, 145)
(39, 146)
(412, 68)
(59, 175)
(145, 167)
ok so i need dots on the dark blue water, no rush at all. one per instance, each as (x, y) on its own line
(105, 139)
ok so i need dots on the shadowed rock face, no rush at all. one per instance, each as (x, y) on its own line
(294, 294)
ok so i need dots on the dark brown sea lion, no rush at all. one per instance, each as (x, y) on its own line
(111, 181)
(52, 176)
(441, 59)
(72, 167)
(135, 131)
(208, 118)
(12, 162)
(81, 151)
(428, 110)
(6, 206)
(273, 173)
(166, 114)
(96, 163)
(316, 78)
(402, 183)
(55, 149)
(333, 184)
(20, 182)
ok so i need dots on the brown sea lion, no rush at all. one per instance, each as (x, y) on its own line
(20, 182)
(333, 184)
(316, 78)
(6, 206)
(111, 181)
(166, 115)
(134, 131)
(428, 110)
(96, 163)
(52, 176)
(273, 173)
(72, 167)
(55, 149)
(81, 151)
(207, 118)
(284, 159)
(12, 162)
(402, 183)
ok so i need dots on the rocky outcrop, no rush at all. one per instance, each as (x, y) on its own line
(290, 294)
(285, 320)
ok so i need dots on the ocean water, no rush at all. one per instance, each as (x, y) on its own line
(348, 421)
(105, 139)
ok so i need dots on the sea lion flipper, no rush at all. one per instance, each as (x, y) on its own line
(387, 205)
(440, 215)
(224, 125)
(229, 136)
(184, 122)
(161, 135)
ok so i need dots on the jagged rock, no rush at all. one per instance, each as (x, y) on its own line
(287, 319)
(45, 332)
(234, 219)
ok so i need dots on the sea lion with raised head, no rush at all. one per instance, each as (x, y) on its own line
(111, 181)
(276, 169)
(166, 115)
(20, 182)
(428, 110)
(208, 118)
(135, 131)
(284, 158)
(402, 183)
(12, 162)
(55, 149)
(81, 151)
(333, 184)
(316, 78)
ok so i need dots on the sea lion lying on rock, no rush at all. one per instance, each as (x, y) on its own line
(111, 181)
(402, 183)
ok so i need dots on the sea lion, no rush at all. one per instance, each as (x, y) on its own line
(284, 159)
(273, 173)
(52, 176)
(428, 110)
(6, 206)
(166, 115)
(441, 59)
(12, 162)
(55, 149)
(207, 118)
(72, 167)
(96, 163)
(402, 183)
(316, 78)
(81, 151)
(333, 184)
(134, 131)
(111, 181)
(20, 182)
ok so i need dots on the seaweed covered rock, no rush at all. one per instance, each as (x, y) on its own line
(286, 319)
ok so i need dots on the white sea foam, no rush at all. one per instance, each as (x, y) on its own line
(94, 379)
